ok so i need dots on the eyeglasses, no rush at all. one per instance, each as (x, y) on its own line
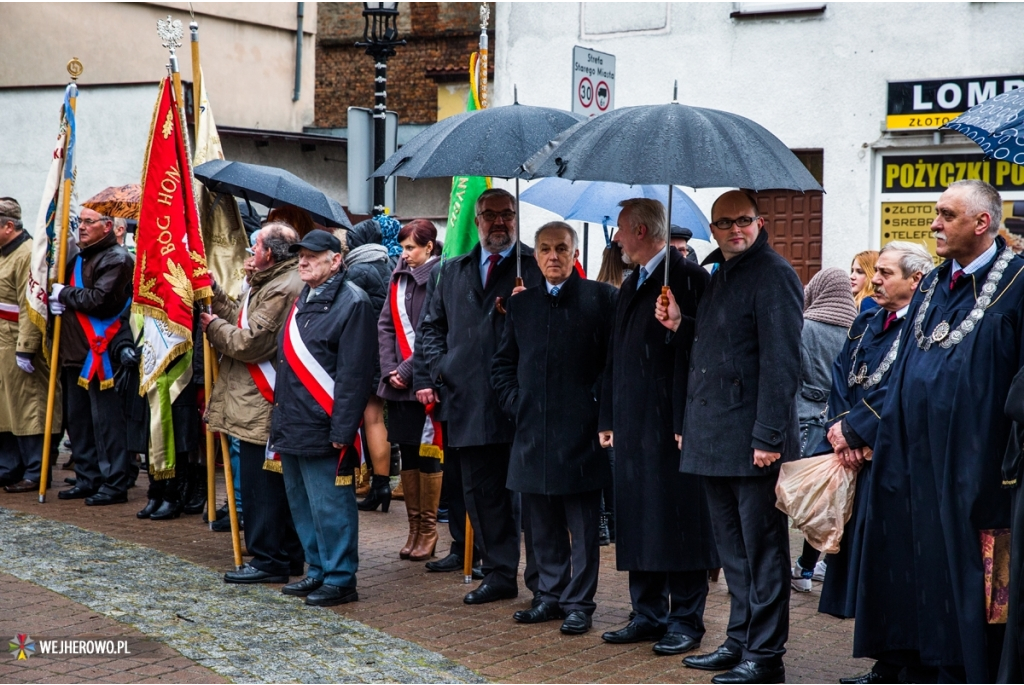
(93, 221)
(742, 222)
(508, 216)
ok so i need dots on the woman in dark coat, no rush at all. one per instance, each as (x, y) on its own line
(396, 336)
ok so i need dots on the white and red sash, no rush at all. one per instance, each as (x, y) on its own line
(263, 374)
(9, 312)
(318, 383)
(405, 334)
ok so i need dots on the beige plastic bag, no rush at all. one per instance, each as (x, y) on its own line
(817, 493)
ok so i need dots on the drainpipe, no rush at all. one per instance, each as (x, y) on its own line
(298, 52)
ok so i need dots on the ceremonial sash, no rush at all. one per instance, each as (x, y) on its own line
(9, 312)
(263, 374)
(99, 333)
(319, 384)
(405, 333)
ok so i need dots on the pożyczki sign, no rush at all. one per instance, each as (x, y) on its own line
(934, 173)
(929, 104)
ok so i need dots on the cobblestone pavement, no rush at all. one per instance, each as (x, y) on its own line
(402, 600)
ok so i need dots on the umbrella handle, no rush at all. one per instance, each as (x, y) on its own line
(663, 298)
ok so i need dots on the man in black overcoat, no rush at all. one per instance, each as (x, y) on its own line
(740, 425)
(459, 335)
(546, 374)
(664, 535)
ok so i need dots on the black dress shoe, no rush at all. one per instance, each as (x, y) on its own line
(167, 511)
(866, 678)
(478, 573)
(451, 563)
(75, 493)
(23, 486)
(331, 595)
(219, 514)
(675, 643)
(101, 499)
(251, 574)
(490, 593)
(538, 599)
(721, 659)
(147, 511)
(71, 481)
(539, 613)
(576, 623)
(752, 672)
(302, 587)
(224, 525)
(634, 632)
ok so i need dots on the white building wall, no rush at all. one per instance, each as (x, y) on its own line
(815, 81)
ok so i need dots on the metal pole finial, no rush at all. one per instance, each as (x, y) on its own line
(75, 68)
(675, 91)
(170, 32)
(515, 95)
(485, 16)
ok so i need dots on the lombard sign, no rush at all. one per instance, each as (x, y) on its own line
(931, 104)
(593, 81)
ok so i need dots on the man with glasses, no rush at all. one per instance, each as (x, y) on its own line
(458, 337)
(94, 305)
(740, 425)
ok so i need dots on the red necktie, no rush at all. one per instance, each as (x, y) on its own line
(493, 259)
(888, 321)
(955, 277)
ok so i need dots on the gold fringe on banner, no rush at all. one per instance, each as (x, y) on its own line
(272, 465)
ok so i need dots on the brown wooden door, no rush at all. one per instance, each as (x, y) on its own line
(793, 222)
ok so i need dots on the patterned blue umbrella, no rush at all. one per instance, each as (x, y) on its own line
(996, 125)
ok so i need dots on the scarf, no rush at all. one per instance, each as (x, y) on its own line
(827, 298)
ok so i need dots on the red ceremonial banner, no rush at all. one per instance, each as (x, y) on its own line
(170, 265)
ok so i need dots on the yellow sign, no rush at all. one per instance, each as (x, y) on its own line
(909, 221)
(895, 122)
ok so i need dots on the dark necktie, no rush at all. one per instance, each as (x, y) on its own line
(493, 259)
(554, 291)
(889, 321)
(955, 277)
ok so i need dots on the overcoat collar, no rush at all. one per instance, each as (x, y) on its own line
(10, 247)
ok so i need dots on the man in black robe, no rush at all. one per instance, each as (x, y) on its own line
(547, 373)
(664, 537)
(935, 485)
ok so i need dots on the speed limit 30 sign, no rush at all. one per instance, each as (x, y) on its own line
(593, 81)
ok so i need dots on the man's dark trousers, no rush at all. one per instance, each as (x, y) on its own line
(673, 600)
(270, 534)
(753, 544)
(97, 430)
(564, 538)
(21, 456)
(452, 484)
(489, 504)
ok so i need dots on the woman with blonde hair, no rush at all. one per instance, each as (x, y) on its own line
(862, 270)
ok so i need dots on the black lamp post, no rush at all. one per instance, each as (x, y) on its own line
(380, 38)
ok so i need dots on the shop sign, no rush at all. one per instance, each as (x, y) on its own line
(934, 173)
(931, 104)
(909, 221)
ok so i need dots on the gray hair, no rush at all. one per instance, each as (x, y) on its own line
(983, 197)
(913, 257)
(277, 238)
(18, 226)
(493, 192)
(649, 213)
(562, 226)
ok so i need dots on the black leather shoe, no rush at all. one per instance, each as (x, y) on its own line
(675, 643)
(302, 587)
(379, 496)
(451, 563)
(23, 486)
(721, 659)
(478, 573)
(576, 623)
(752, 672)
(490, 593)
(634, 632)
(220, 513)
(867, 678)
(331, 595)
(147, 511)
(538, 599)
(101, 499)
(224, 525)
(167, 511)
(71, 481)
(251, 574)
(75, 493)
(539, 613)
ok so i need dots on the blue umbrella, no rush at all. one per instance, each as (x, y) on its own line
(996, 125)
(598, 202)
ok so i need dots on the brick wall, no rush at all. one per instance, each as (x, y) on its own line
(440, 36)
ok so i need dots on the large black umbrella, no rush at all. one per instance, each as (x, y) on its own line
(673, 144)
(486, 142)
(272, 187)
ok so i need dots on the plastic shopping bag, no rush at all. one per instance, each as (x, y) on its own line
(817, 492)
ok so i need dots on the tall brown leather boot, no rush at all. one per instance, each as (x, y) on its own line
(430, 495)
(411, 485)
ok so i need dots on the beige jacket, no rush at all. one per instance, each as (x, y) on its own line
(22, 395)
(236, 405)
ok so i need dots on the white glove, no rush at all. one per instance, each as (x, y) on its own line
(56, 306)
(25, 364)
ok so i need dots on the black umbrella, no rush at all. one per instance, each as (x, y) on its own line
(486, 142)
(272, 187)
(673, 144)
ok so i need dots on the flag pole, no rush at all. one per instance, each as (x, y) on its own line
(75, 70)
(173, 40)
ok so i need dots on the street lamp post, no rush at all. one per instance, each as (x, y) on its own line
(380, 38)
